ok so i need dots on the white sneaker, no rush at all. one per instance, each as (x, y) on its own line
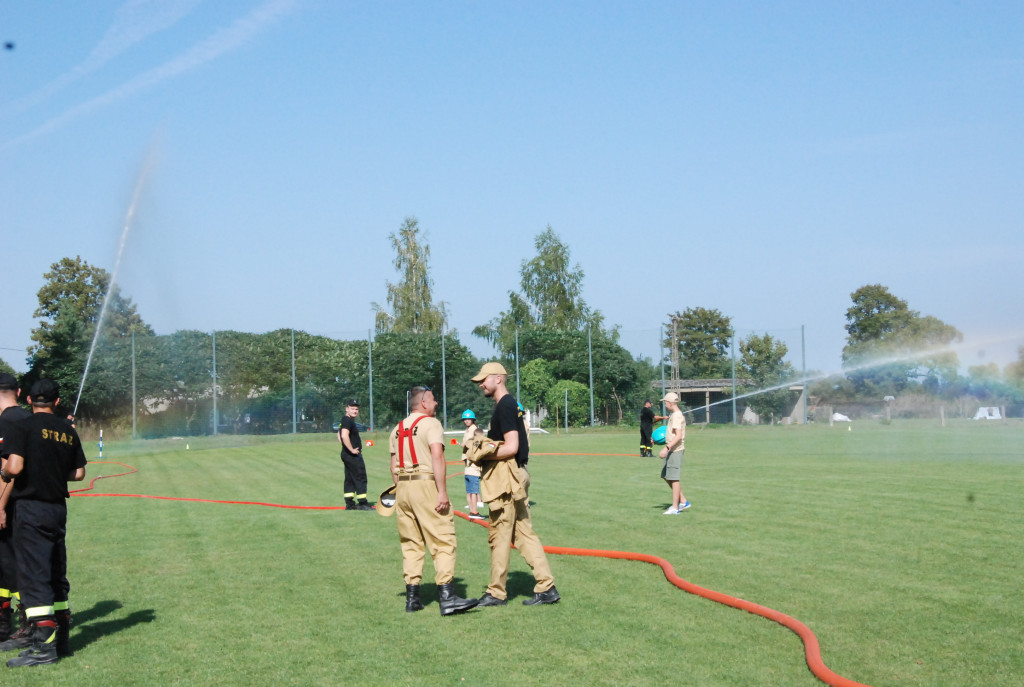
(671, 511)
(684, 506)
(479, 504)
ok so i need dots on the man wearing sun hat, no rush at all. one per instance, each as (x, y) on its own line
(503, 488)
(672, 453)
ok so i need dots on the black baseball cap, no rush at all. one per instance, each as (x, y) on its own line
(45, 391)
(8, 382)
(352, 402)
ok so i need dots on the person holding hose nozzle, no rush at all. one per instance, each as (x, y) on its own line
(44, 454)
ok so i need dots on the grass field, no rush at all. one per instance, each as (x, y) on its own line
(898, 545)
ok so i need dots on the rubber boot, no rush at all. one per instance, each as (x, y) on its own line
(412, 598)
(63, 633)
(20, 638)
(452, 604)
(44, 645)
(6, 619)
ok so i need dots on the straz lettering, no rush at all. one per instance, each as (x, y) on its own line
(54, 435)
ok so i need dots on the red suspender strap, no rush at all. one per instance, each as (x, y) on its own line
(404, 433)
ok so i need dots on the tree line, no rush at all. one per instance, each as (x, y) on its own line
(562, 344)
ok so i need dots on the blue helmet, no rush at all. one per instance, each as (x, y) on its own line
(469, 415)
(521, 408)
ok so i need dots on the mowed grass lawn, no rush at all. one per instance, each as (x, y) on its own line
(898, 545)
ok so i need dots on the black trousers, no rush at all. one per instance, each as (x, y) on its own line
(39, 531)
(645, 436)
(8, 562)
(355, 473)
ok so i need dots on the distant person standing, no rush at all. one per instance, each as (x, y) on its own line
(472, 471)
(421, 502)
(352, 457)
(44, 454)
(672, 453)
(646, 427)
(10, 414)
(503, 487)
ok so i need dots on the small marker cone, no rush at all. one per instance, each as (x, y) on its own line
(186, 447)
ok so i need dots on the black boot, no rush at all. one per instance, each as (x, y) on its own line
(452, 604)
(350, 504)
(63, 633)
(44, 645)
(6, 619)
(412, 598)
(20, 638)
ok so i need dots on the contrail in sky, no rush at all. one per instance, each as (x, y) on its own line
(223, 41)
(134, 21)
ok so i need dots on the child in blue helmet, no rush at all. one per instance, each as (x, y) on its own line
(472, 472)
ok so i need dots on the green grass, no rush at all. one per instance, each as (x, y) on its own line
(899, 546)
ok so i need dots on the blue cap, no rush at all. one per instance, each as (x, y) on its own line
(469, 415)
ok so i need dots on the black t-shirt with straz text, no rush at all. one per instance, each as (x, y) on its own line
(506, 418)
(52, 451)
(349, 423)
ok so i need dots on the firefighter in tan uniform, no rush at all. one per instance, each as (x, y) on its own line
(421, 500)
(503, 487)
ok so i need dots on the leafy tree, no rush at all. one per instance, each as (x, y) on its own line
(888, 344)
(412, 309)
(1014, 372)
(763, 361)
(551, 297)
(4, 367)
(70, 305)
(702, 339)
(579, 402)
(535, 380)
(401, 361)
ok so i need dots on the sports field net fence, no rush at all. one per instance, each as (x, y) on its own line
(288, 381)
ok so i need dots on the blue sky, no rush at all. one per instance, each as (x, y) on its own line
(764, 159)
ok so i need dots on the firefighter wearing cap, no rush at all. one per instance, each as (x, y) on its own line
(45, 453)
(352, 457)
(10, 414)
(425, 518)
(503, 487)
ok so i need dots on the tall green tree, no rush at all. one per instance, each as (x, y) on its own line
(410, 306)
(701, 339)
(70, 304)
(762, 359)
(550, 297)
(889, 345)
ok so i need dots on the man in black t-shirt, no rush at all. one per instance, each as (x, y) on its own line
(352, 457)
(10, 414)
(45, 453)
(508, 503)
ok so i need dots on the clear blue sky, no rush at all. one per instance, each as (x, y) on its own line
(764, 159)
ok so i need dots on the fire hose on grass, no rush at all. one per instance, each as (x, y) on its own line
(812, 650)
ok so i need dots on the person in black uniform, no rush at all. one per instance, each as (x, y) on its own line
(646, 427)
(10, 414)
(44, 454)
(352, 457)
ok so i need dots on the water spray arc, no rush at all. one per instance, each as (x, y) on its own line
(129, 222)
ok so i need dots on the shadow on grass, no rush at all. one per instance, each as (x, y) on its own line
(88, 628)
